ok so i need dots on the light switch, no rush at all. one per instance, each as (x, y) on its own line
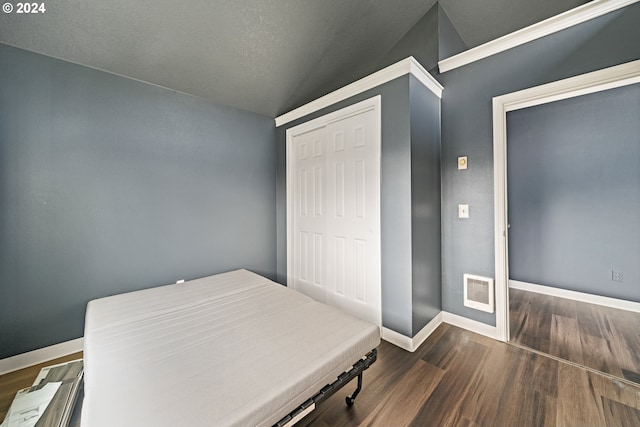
(463, 211)
(462, 162)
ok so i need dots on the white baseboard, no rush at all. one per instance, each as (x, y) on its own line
(40, 355)
(470, 325)
(412, 344)
(577, 296)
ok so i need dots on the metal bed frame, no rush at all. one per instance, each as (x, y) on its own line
(327, 391)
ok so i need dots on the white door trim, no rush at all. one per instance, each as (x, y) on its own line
(608, 78)
(374, 104)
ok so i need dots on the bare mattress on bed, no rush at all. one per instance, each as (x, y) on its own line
(229, 349)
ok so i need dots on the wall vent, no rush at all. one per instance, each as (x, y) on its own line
(478, 292)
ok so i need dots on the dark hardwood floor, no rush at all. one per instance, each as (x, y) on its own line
(602, 338)
(458, 378)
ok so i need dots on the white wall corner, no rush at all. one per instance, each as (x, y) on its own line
(412, 344)
(40, 355)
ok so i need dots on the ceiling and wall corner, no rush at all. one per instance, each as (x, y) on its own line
(449, 41)
(432, 38)
(423, 34)
(264, 59)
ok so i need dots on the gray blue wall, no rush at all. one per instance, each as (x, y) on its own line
(431, 39)
(467, 245)
(449, 41)
(574, 193)
(425, 34)
(109, 185)
(398, 128)
(425, 205)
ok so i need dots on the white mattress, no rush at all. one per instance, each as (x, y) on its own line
(234, 349)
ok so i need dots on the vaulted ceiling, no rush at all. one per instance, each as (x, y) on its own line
(264, 56)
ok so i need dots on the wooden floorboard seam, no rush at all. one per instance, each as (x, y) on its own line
(577, 365)
(595, 337)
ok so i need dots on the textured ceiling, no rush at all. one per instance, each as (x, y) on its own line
(261, 56)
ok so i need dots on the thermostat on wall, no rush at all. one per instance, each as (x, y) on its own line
(462, 162)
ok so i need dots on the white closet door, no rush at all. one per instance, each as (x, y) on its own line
(335, 206)
(309, 265)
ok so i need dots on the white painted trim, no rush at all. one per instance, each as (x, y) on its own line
(405, 66)
(608, 78)
(412, 344)
(500, 220)
(469, 325)
(40, 355)
(577, 296)
(397, 339)
(419, 72)
(595, 81)
(541, 29)
(373, 103)
(427, 330)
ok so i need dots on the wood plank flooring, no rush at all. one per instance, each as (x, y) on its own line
(602, 338)
(458, 378)
(13, 381)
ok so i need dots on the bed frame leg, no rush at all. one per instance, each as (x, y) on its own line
(351, 399)
(327, 391)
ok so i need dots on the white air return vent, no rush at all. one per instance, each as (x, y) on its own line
(478, 292)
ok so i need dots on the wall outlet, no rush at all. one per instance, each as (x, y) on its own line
(616, 276)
